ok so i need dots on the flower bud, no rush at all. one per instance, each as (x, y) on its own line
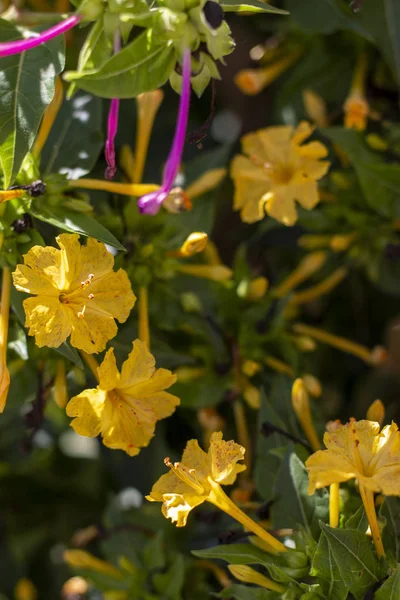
(376, 412)
(249, 575)
(194, 244)
(25, 590)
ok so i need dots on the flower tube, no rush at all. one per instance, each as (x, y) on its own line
(17, 46)
(150, 203)
(112, 124)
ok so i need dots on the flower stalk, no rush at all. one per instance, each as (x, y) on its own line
(218, 497)
(334, 504)
(49, 117)
(15, 47)
(144, 330)
(4, 319)
(147, 104)
(301, 406)
(151, 203)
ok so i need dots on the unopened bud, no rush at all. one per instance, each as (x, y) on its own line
(74, 589)
(376, 412)
(376, 142)
(257, 288)
(84, 560)
(250, 367)
(249, 575)
(379, 355)
(305, 343)
(25, 590)
(356, 109)
(315, 108)
(210, 420)
(313, 385)
(194, 243)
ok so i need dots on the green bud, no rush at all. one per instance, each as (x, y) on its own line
(169, 24)
(111, 24)
(91, 10)
(191, 302)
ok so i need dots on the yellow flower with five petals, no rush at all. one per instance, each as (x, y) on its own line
(361, 450)
(126, 406)
(75, 293)
(198, 479)
(275, 170)
(358, 449)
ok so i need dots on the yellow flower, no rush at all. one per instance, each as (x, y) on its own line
(25, 590)
(76, 293)
(198, 479)
(276, 171)
(126, 406)
(358, 450)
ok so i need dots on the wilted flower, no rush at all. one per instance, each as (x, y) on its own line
(126, 405)
(76, 293)
(277, 170)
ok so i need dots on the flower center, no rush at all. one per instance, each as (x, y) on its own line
(186, 475)
(279, 174)
(66, 298)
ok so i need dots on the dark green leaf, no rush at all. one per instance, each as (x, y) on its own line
(170, 584)
(352, 553)
(27, 83)
(75, 139)
(74, 222)
(325, 568)
(294, 506)
(390, 590)
(379, 193)
(381, 21)
(244, 592)
(234, 554)
(390, 510)
(323, 16)
(153, 552)
(250, 6)
(70, 353)
(141, 66)
(358, 520)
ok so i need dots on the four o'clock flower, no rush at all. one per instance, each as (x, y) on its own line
(17, 46)
(150, 203)
(112, 125)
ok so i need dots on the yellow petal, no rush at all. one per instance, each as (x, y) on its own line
(223, 459)
(93, 258)
(326, 467)
(107, 372)
(47, 320)
(90, 332)
(252, 395)
(281, 206)
(306, 194)
(177, 507)
(41, 272)
(87, 408)
(110, 295)
(139, 366)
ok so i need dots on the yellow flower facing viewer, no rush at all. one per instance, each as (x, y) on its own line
(275, 170)
(75, 293)
(198, 479)
(126, 406)
(361, 450)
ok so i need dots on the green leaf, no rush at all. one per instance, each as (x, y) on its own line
(27, 82)
(323, 16)
(293, 504)
(358, 520)
(142, 66)
(390, 510)
(286, 567)
(96, 49)
(378, 193)
(70, 353)
(76, 138)
(381, 22)
(244, 592)
(170, 584)
(74, 222)
(325, 568)
(250, 6)
(153, 552)
(390, 590)
(356, 562)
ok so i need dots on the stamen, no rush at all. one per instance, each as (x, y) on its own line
(188, 476)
